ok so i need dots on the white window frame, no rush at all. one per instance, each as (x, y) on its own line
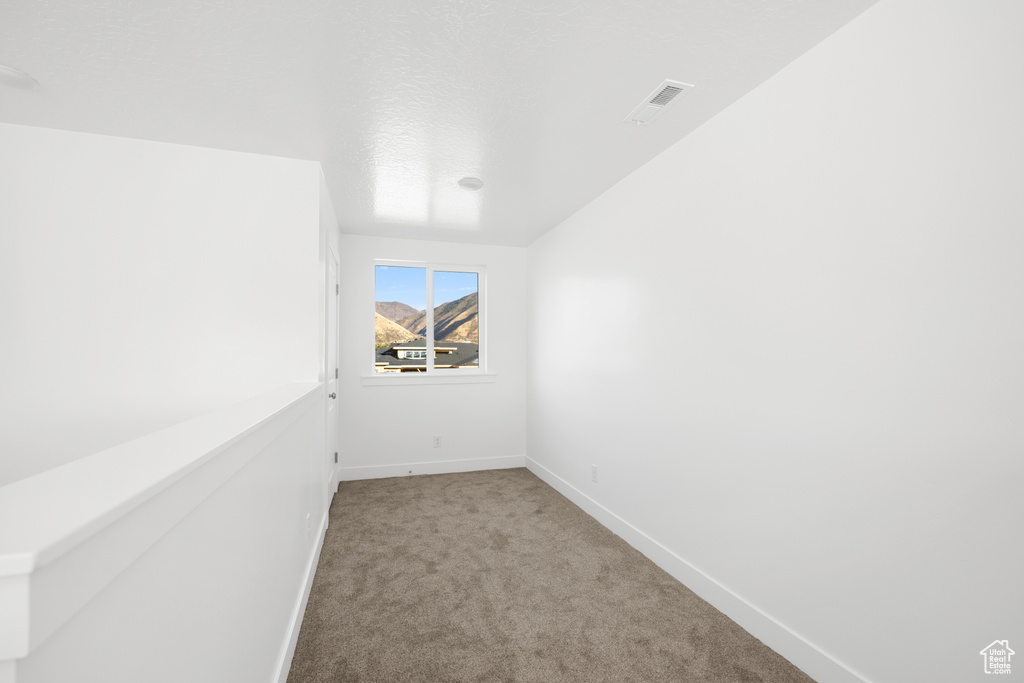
(433, 375)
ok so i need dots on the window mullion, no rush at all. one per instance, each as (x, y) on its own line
(481, 311)
(430, 320)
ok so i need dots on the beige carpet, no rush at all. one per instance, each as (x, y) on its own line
(494, 576)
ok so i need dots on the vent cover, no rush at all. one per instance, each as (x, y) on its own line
(657, 101)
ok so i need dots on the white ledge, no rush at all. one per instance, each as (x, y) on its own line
(395, 379)
(44, 516)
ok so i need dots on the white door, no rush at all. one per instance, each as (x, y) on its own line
(333, 292)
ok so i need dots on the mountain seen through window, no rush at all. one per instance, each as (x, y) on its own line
(402, 336)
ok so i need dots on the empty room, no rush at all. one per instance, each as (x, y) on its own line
(454, 340)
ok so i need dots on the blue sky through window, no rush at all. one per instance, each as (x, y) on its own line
(449, 286)
(401, 283)
(409, 285)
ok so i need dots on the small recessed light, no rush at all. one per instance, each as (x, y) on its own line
(471, 184)
(17, 79)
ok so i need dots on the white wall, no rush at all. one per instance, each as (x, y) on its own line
(804, 370)
(194, 569)
(142, 284)
(386, 428)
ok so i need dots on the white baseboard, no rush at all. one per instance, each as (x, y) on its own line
(813, 661)
(284, 659)
(441, 467)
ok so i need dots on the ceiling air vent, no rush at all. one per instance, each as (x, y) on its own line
(657, 101)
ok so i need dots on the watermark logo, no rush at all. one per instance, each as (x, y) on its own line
(997, 657)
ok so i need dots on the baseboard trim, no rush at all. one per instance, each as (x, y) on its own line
(284, 659)
(440, 467)
(809, 658)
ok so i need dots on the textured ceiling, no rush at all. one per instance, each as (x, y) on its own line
(399, 99)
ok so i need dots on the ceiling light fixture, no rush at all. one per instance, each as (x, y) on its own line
(17, 79)
(471, 184)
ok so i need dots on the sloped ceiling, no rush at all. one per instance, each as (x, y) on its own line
(399, 99)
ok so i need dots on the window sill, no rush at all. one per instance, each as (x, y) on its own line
(409, 379)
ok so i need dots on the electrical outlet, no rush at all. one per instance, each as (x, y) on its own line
(593, 473)
(437, 442)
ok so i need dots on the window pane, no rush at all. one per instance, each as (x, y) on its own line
(401, 303)
(456, 320)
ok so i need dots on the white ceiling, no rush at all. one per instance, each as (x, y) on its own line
(399, 99)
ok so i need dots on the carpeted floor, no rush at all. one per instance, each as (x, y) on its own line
(494, 576)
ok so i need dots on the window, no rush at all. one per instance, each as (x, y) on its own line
(428, 319)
